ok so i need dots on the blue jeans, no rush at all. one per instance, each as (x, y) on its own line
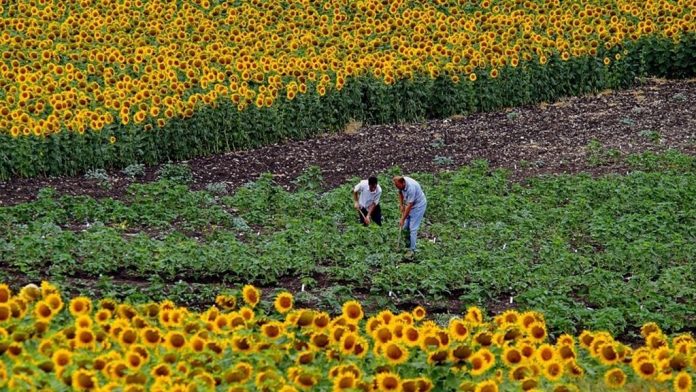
(412, 223)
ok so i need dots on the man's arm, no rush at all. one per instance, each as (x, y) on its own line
(355, 200)
(407, 211)
(374, 203)
(370, 208)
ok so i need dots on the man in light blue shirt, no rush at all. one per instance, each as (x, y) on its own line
(412, 204)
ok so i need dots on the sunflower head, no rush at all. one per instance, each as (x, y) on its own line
(615, 378)
(419, 313)
(251, 295)
(388, 381)
(352, 311)
(283, 302)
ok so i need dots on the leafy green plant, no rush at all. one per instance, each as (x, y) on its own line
(179, 173)
(217, 188)
(437, 143)
(651, 135)
(679, 97)
(134, 170)
(310, 180)
(99, 175)
(442, 160)
(598, 155)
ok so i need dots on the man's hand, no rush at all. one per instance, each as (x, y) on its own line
(367, 220)
(401, 223)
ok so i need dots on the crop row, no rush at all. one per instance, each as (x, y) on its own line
(241, 344)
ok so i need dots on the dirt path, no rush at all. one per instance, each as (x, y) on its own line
(541, 139)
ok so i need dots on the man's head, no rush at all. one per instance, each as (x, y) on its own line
(372, 183)
(399, 182)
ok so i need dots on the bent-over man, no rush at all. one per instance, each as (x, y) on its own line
(412, 204)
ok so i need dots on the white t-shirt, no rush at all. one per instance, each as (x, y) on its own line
(366, 197)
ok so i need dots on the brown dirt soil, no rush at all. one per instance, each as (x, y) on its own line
(549, 138)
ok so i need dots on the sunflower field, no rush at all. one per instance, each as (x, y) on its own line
(48, 342)
(107, 83)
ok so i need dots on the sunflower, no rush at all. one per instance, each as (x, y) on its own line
(247, 313)
(84, 379)
(479, 364)
(283, 302)
(80, 306)
(352, 311)
(645, 369)
(614, 378)
(83, 321)
(418, 313)
(174, 340)
(586, 338)
(656, 340)
(127, 336)
(411, 336)
(18, 382)
(31, 291)
(134, 360)
(395, 353)
(383, 335)
(251, 295)
(486, 386)
(150, 336)
(42, 311)
(343, 382)
(306, 380)
(84, 338)
(102, 316)
(682, 382)
(536, 331)
(678, 361)
(484, 338)
(347, 342)
(61, 358)
(512, 356)
(545, 353)
(360, 348)
(388, 381)
(197, 344)
(474, 315)
(553, 371)
(242, 344)
(5, 293)
(460, 353)
(458, 329)
(566, 352)
(438, 357)
(321, 321)
(320, 339)
(467, 386)
(272, 330)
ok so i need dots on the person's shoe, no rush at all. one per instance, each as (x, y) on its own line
(409, 254)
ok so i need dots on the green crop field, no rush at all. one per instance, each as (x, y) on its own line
(603, 253)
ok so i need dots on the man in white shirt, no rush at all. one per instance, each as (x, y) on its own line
(366, 200)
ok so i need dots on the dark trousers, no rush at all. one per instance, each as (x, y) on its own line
(376, 215)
